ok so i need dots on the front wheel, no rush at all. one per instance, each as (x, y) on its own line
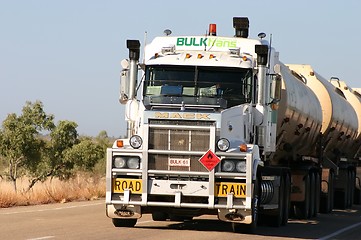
(250, 228)
(159, 216)
(117, 222)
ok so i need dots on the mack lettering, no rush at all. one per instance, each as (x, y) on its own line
(199, 116)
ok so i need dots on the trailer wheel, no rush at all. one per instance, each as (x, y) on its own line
(250, 228)
(332, 191)
(357, 192)
(312, 195)
(317, 194)
(352, 176)
(117, 222)
(287, 200)
(327, 198)
(302, 209)
(342, 195)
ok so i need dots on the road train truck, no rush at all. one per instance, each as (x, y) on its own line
(219, 126)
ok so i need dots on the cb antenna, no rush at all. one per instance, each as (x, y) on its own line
(145, 43)
(270, 49)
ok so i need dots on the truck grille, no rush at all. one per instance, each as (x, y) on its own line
(186, 139)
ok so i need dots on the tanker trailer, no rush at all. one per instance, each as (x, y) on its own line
(299, 122)
(354, 98)
(338, 133)
(353, 150)
(357, 198)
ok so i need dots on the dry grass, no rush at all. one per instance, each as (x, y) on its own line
(82, 187)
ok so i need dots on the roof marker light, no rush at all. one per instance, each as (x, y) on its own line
(199, 56)
(212, 29)
(188, 55)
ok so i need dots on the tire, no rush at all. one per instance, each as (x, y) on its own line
(159, 216)
(317, 194)
(332, 191)
(117, 222)
(277, 219)
(312, 195)
(351, 184)
(250, 228)
(281, 219)
(302, 209)
(357, 192)
(287, 200)
(326, 199)
(178, 218)
(342, 195)
(348, 189)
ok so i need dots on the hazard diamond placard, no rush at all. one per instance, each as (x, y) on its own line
(209, 160)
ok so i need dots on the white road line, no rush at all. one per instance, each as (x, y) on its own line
(41, 238)
(50, 209)
(340, 231)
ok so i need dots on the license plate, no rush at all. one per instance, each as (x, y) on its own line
(121, 184)
(223, 188)
(179, 162)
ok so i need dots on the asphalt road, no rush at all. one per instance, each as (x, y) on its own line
(87, 220)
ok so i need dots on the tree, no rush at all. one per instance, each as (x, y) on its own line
(105, 142)
(26, 151)
(66, 153)
(63, 137)
(85, 154)
(20, 145)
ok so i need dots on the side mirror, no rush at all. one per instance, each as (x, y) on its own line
(276, 86)
(124, 82)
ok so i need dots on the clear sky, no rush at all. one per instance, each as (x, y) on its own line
(67, 53)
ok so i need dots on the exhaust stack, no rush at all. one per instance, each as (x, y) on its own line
(241, 26)
(133, 46)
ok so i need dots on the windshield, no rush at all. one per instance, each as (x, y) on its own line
(192, 84)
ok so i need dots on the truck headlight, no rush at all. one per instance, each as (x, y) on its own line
(234, 165)
(241, 166)
(223, 144)
(136, 141)
(120, 162)
(133, 162)
(228, 166)
(126, 162)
